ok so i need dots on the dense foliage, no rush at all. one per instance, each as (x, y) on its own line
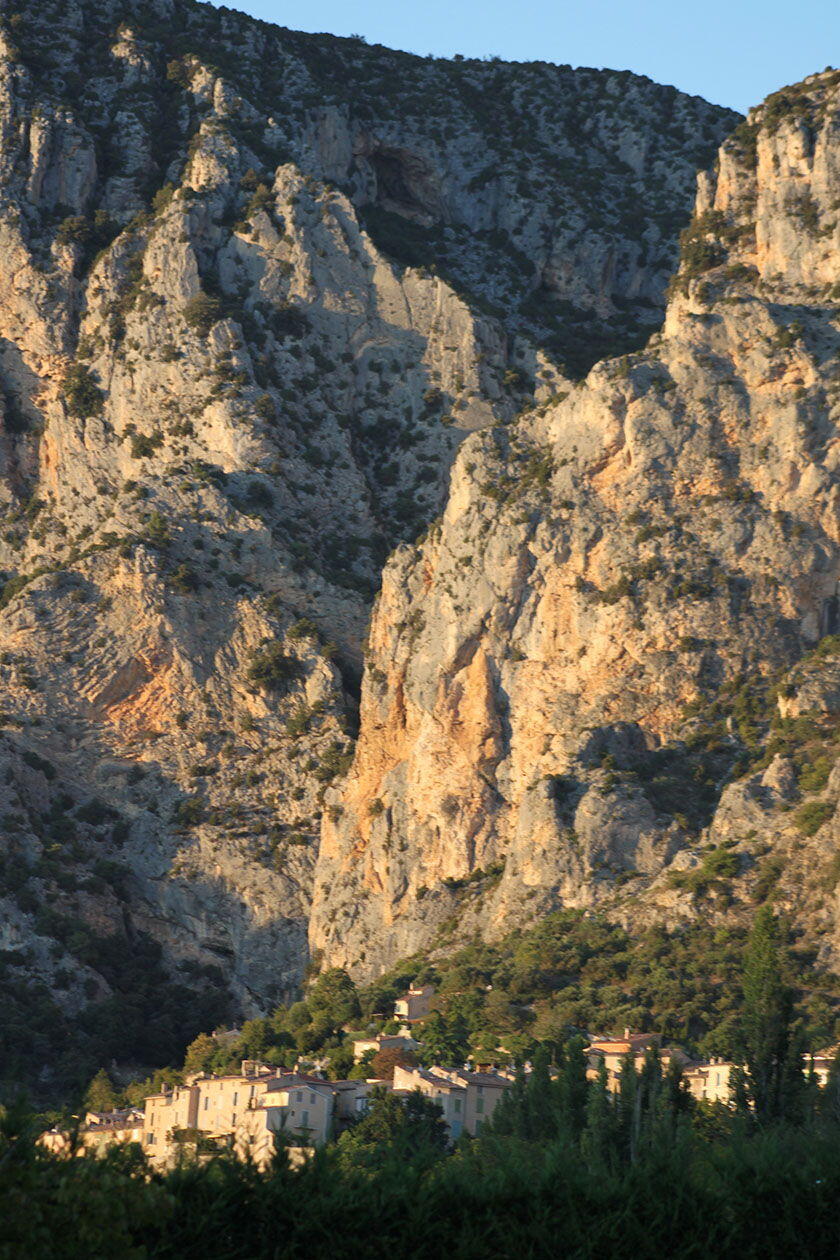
(148, 1017)
(565, 1166)
(717, 1188)
(540, 988)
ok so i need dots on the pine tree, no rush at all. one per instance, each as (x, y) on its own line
(100, 1094)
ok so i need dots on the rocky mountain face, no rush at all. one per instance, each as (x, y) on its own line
(256, 288)
(608, 675)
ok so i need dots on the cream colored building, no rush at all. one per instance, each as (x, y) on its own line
(99, 1131)
(613, 1051)
(414, 1004)
(483, 1093)
(172, 1111)
(350, 1101)
(223, 1100)
(449, 1096)
(383, 1041)
(299, 1107)
(711, 1082)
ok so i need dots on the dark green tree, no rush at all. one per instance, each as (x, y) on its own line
(334, 996)
(771, 1051)
(408, 1129)
(100, 1094)
(629, 1108)
(445, 1040)
(599, 1127)
(541, 1109)
(573, 1088)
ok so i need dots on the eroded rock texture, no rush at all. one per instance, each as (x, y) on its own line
(255, 289)
(596, 682)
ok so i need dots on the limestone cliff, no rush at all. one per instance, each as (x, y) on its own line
(255, 288)
(596, 681)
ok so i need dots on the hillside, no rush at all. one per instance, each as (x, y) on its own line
(271, 303)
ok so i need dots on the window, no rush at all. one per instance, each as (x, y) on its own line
(206, 1101)
(312, 1099)
(457, 1102)
(304, 1124)
(233, 1118)
(478, 1124)
(235, 1097)
(479, 1106)
(299, 1096)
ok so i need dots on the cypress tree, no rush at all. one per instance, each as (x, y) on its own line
(598, 1136)
(629, 1107)
(771, 1052)
(574, 1089)
(541, 1110)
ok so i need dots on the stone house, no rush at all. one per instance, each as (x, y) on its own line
(99, 1130)
(415, 1004)
(450, 1096)
(300, 1107)
(173, 1110)
(383, 1041)
(483, 1092)
(614, 1050)
(710, 1082)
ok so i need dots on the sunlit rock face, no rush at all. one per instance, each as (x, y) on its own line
(256, 288)
(600, 666)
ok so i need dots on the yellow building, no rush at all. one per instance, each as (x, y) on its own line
(299, 1107)
(483, 1092)
(710, 1082)
(223, 1100)
(613, 1051)
(98, 1131)
(167, 1114)
(450, 1096)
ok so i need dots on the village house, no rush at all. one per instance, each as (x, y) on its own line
(223, 1099)
(209, 1107)
(173, 1110)
(300, 1107)
(107, 1128)
(483, 1092)
(302, 1110)
(98, 1131)
(449, 1096)
(415, 1004)
(613, 1051)
(351, 1101)
(383, 1041)
(710, 1082)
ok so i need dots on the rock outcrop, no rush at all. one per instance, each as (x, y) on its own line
(255, 289)
(596, 681)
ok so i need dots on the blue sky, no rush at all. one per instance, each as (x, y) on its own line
(733, 52)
